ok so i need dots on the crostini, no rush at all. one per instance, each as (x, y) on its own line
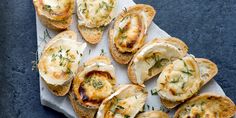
(153, 114)
(184, 84)
(58, 63)
(207, 105)
(129, 32)
(93, 16)
(126, 102)
(55, 14)
(151, 59)
(93, 83)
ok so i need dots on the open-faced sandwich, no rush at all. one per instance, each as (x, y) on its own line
(183, 78)
(207, 105)
(151, 59)
(126, 102)
(129, 32)
(93, 16)
(153, 114)
(58, 63)
(55, 14)
(93, 83)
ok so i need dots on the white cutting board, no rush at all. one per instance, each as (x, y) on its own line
(62, 104)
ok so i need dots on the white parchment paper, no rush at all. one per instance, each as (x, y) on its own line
(62, 104)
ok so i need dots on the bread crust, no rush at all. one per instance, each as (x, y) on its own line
(153, 114)
(80, 110)
(91, 35)
(124, 58)
(55, 24)
(227, 106)
(173, 41)
(205, 76)
(59, 90)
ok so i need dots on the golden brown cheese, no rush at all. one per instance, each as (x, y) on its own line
(130, 31)
(94, 83)
(207, 106)
(55, 9)
(180, 80)
(126, 102)
(95, 13)
(59, 61)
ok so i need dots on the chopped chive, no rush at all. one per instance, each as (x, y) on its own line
(154, 92)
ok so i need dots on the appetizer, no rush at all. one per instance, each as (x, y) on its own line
(93, 83)
(93, 16)
(55, 14)
(152, 58)
(129, 32)
(58, 63)
(183, 79)
(126, 102)
(153, 114)
(207, 105)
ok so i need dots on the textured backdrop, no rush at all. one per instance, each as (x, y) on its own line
(207, 26)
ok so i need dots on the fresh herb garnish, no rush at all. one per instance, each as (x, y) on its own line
(148, 107)
(68, 71)
(102, 52)
(154, 92)
(153, 108)
(126, 116)
(125, 10)
(120, 107)
(97, 84)
(164, 109)
(89, 51)
(182, 87)
(47, 8)
(46, 36)
(188, 72)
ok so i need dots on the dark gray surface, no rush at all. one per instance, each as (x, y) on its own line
(207, 26)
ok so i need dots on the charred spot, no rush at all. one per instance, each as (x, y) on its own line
(130, 44)
(82, 94)
(211, 98)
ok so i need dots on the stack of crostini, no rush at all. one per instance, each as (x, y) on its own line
(92, 85)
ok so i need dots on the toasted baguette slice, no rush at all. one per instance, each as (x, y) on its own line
(208, 70)
(91, 23)
(153, 114)
(207, 105)
(91, 35)
(127, 101)
(59, 90)
(173, 48)
(49, 15)
(79, 92)
(124, 56)
(55, 75)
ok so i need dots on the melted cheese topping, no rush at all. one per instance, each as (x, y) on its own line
(125, 102)
(57, 6)
(206, 107)
(97, 81)
(59, 62)
(97, 86)
(180, 80)
(130, 32)
(55, 9)
(152, 59)
(95, 13)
